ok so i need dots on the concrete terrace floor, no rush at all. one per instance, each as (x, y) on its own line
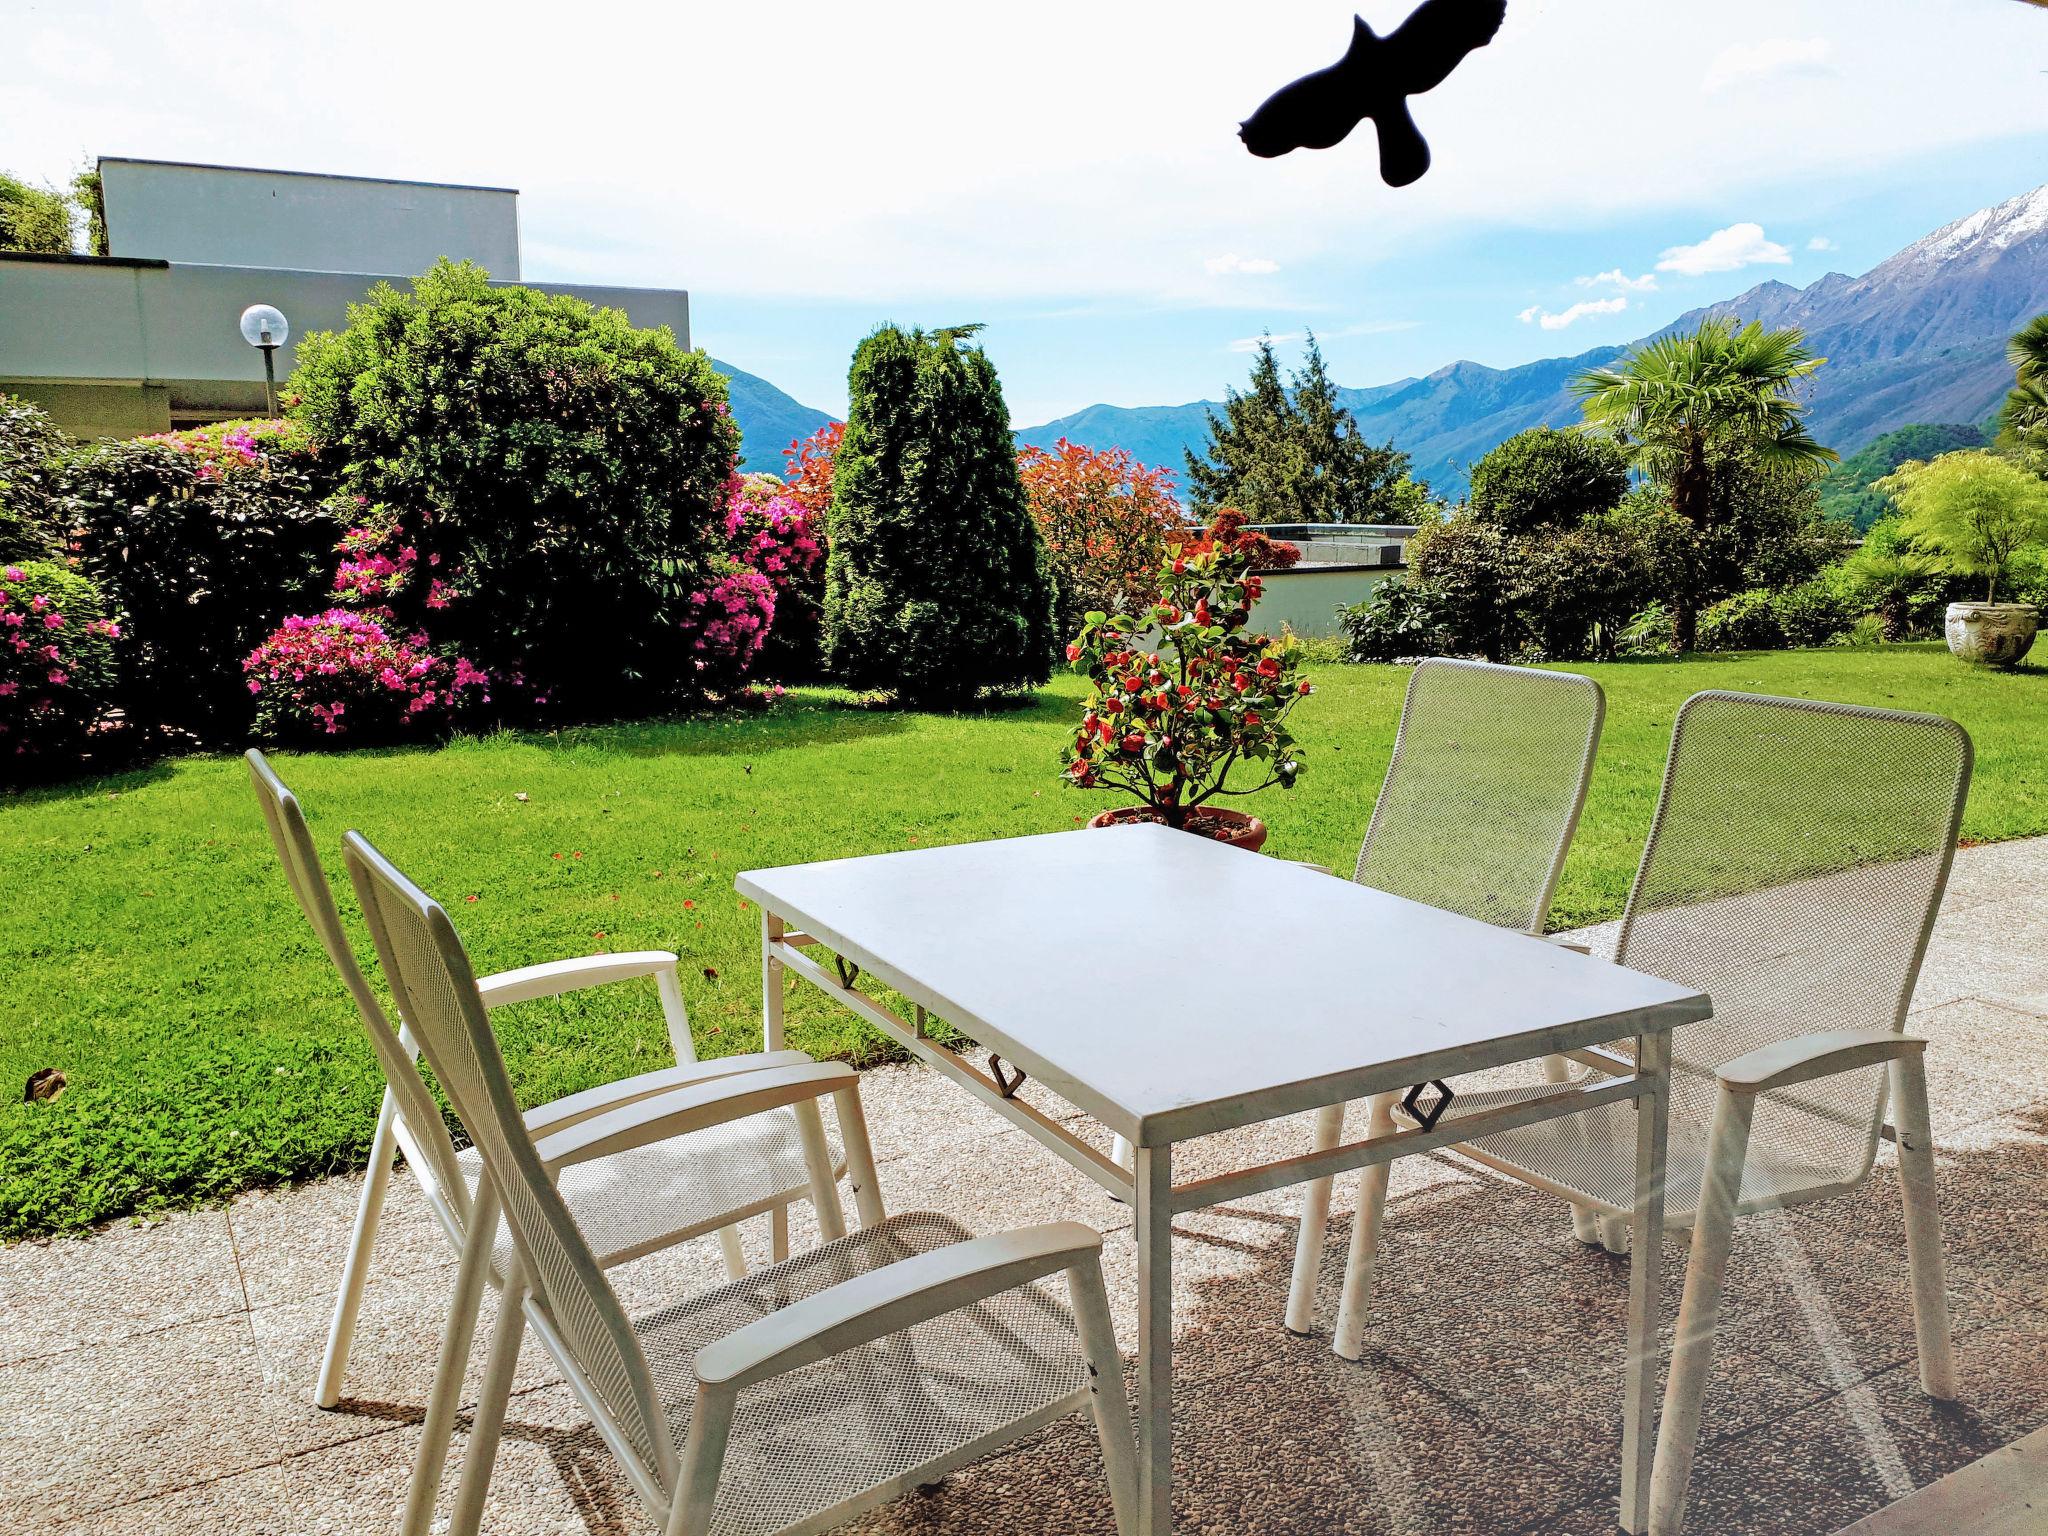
(159, 1378)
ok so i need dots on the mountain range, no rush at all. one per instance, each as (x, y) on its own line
(769, 420)
(1918, 338)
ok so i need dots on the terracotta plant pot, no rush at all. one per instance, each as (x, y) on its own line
(1996, 634)
(1236, 828)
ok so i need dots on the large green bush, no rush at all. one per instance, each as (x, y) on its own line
(1544, 478)
(30, 445)
(1395, 622)
(554, 481)
(937, 585)
(1812, 613)
(200, 557)
(33, 218)
(1744, 621)
(1472, 573)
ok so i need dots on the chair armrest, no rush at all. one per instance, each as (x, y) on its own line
(554, 977)
(1786, 1063)
(668, 1115)
(571, 1109)
(890, 1299)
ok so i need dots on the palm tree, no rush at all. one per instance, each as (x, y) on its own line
(1679, 402)
(2026, 408)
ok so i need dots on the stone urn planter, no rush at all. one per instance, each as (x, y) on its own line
(1236, 828)
(1995, 634)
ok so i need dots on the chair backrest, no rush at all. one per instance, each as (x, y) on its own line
(423, 1134)
(430, 974)
(1793, 873)
(1484, 789)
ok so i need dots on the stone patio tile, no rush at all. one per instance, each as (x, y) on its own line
(2002, 1378)
(391, 1363)
(1294, 1450)
(342, 1490)
(107, 1424)
(1830, 1307)
(292, 1241)
(125, 1279)
(2005, 960)
(1812, 1473)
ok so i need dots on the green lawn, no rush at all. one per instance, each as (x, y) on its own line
(152, 953)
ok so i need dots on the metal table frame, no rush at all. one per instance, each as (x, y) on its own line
(1156, 1199)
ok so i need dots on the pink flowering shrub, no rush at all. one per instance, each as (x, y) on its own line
(56, 666)
(225, 447)
(728, 625)
(770, 531)
(348, 675)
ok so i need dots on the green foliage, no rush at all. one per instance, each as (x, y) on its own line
(1812, 613)
(1294, 455)
(1691, 411)
(1473, 574)
(56, 668)
(1741, 622)
(200, 559)
(937, 585)
(33, 218)
(92, 206)
(30, 445)
(563, 474)
(1973, 510)
(210, 1049)
(1891, 580)
(1647, 633)
(1579, 585)
(1545, 479)
(1848, 492)
(1397, 621)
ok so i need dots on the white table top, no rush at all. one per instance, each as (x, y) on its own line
(1171, 986)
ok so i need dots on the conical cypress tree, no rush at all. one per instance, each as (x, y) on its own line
(938, 586)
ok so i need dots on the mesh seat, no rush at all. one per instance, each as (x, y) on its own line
(635, 1202)
(821, 1435)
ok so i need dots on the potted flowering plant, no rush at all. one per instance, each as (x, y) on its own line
(1186, 695)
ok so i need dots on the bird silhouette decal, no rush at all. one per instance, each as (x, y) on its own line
(1374, 79)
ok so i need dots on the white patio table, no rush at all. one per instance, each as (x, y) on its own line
(1117, 968)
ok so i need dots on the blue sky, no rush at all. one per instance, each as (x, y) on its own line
(1069, 173)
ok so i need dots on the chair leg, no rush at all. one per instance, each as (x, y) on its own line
(1365, 1237)
(1923, 1229)
(1315, 1224)
(355, 1270)
(675, 1015)
(1106, 1392)
(1699, 1313)
(446, 1398)
(810, 1124)
(1613, 1232)
(860, 1157)
(703, 1459)
(1123, 1153)
(778, 1234)
(735, 1259)
(1585, 1221)
(481, 1458)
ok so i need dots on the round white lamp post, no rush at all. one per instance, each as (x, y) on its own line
(265, 326)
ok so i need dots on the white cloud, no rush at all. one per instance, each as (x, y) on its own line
(1256, 266)
(1771, 58)
(1578, 312)
(1820, 243)
(1725, 250)
(1647, 283)
(1251, 343)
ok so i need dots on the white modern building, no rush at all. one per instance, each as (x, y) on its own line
(144, 339)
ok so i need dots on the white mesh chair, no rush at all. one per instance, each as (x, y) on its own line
(1793, 873)
(799, 1395)
(651, 1197)
(1475, 816)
